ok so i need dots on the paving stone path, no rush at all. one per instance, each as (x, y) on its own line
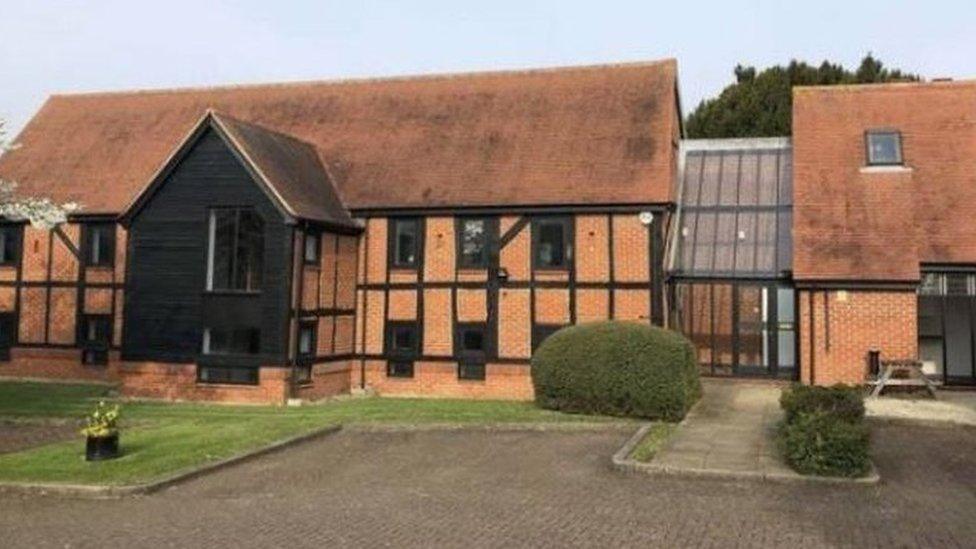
(730, 430)
(519, 489)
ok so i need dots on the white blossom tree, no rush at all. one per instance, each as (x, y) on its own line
(40, 212)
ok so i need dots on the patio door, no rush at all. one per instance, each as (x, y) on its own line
(947, 326)
(739, 328)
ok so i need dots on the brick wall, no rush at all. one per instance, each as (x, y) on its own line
(179, 382)
(846, 325)
(439, 379)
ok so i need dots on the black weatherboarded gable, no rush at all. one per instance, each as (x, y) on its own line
(167, 305)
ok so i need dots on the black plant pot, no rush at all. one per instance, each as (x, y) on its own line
(100, 448)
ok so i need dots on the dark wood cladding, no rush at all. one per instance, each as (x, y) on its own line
(167, 304)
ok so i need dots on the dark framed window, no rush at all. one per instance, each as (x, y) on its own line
(474, 235)
(95, 338)
(235, 259)
(471, 339)
(8, 334)
(883, 147)
(10, 242)
(402, 348)
(307, 332)
(405, 243)
(552, 246)
(540, 332)
(311, 253)
(231, 341)
(233, 375)
(98, 241)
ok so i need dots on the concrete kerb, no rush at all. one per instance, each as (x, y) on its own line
(88, 491)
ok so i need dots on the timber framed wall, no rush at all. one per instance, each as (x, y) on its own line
(614, 273)
(327, 308)
(50, 293)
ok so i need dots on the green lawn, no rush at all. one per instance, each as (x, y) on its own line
(159, 439)
(655, 438)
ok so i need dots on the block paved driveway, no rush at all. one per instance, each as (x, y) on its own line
(505, 489)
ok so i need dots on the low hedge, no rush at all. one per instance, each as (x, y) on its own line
(843, 401)
(823, 432)
(820, 443)
(617, 368)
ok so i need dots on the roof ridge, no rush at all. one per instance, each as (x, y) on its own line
(877, 86)
(370, 79)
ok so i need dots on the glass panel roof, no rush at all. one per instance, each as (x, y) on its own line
(735, 210)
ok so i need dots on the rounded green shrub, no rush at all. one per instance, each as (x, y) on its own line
(821, 443)
(617, 368)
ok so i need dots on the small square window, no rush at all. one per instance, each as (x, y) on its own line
(402, 339)
(311, 248)
(405, 240)
(399, 368)
(471, 371)
(551, 243)
(303, 373)
(471, 340)
(884, 148)
(99, 244)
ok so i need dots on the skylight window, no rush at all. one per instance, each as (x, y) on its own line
(884, 148)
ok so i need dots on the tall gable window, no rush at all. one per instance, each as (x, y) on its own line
(235, 258)
(405, 243)
(99, 244)
(551, 243)
(884, 148)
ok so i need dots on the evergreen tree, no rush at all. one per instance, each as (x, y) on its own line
(760, 104)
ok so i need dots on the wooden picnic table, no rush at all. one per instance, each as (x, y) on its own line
(916, 377)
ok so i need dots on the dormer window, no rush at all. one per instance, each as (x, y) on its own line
(884, 148)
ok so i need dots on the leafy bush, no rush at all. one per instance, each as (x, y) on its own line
(102, 422)
(823, 443)
(844, 401)
(617, 368)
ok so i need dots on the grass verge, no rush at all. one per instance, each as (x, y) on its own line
(159, 439)
(655, 438)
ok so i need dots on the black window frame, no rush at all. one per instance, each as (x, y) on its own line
(883, 132)
(566, 225)
(317, 237)
(400, 362)
(252, 376)
(392, 255)
(106, 246)
(211, 251)
(94, 350)
(488, 242)
(541, 332)
(10, 247)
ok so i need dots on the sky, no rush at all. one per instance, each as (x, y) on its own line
(49, 46)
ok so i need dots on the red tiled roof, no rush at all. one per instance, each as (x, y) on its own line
(868, 224)
(579, 135)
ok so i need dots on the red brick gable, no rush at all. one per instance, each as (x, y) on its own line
(869, 224)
